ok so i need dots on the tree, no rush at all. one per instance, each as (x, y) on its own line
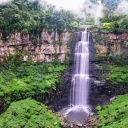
(29, 17)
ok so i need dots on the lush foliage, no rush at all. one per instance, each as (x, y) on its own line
(30, 17)
(114, 115)
(28, 81)
(120, 60)
(28, 114)
(114, 23)
(119, 76)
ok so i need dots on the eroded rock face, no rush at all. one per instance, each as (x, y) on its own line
(45, 50)
(114, 44)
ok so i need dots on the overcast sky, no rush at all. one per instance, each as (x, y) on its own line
(1, 1)
(74, 5)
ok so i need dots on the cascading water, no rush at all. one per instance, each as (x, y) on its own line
(79, 108)
(80, 79)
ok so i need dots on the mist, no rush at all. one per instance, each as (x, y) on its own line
(83, 8)
(93, 10)
(122, 8)
(71, 5)
(4, 1)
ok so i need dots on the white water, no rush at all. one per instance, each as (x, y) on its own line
(79, 108)
(80, 79)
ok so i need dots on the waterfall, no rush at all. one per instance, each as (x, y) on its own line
(80, 79)
(79, 109)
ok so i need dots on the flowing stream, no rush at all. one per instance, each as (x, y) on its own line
(79, 108)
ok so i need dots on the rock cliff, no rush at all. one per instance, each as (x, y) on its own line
(110, 44)
(47, 48)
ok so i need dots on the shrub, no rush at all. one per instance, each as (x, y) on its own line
(28, 114)
(28, 81)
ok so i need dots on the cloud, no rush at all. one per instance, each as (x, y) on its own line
(4, 1)
(122, 8)
(95, 10)
(73, 5)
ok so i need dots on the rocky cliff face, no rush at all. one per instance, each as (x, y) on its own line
(110, 44)
(47, 48)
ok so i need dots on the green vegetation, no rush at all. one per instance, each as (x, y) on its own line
(111, 33)
(114, 24)
(30, 80)
(30, 17)
(28, 114)
(20, 80)
(117, 80)
(114, 115)
(114, 65)
(119, 60)
(119, 76)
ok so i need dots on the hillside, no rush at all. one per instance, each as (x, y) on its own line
(115, 114)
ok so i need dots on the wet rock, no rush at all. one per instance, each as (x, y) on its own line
(112, 98)
(96, 82)
(58, 114)
(99, 83)
(60, 98)
(94, 71)
(79, 124)
(91, 48)
(64, 125)
(71, 126)
(55, 123)
(99, 99)
(91, 114)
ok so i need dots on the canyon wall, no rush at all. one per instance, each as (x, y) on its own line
(48, 46)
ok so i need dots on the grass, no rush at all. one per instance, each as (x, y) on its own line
(114, 115)
(28, 113)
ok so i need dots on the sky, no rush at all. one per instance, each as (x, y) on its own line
(1, 1)
(122, 7)
(74, 5)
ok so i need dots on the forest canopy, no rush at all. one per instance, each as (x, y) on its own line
(30, 17)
